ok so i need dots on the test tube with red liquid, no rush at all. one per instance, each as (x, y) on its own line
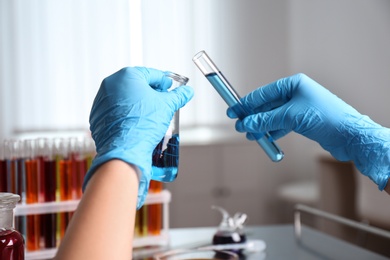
(48, 189)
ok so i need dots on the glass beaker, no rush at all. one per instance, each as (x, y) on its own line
(11, 241)
(196, 254)
(165, 158)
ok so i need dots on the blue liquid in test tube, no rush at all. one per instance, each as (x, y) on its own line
(232, 99)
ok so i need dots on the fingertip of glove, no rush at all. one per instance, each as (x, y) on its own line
(239, 126)
(190, 91)
(156, 78)
(230, 113)
(250, 137)
(187, 92)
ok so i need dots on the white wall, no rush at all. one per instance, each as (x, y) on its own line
(342, 44)
(345, 46)
(247, 40)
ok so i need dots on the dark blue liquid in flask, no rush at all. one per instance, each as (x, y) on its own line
(232, 99)
(165, 157)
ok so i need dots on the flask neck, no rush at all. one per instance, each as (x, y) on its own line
(6, 218)
(7, 204)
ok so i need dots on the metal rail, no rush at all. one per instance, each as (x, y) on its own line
(360, 226)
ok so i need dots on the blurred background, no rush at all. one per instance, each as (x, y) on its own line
(54, 54)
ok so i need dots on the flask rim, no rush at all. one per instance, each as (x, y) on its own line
(179, 78)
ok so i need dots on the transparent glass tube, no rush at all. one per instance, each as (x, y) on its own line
(11, 149)
(232, 99)
(155, 211)
(165, 158)
(33, 228)
(48, 222)
(3, 170)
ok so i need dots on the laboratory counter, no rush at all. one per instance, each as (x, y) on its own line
(281, 243)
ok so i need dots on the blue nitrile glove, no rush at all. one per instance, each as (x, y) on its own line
(129, 117)
(300, 104)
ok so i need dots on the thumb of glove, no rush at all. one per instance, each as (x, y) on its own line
(178, 97)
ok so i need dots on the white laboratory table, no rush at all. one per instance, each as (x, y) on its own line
(281, 243)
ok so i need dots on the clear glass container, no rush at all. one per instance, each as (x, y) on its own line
(196, 254)
(11, 241)
(233, 100)
(165, 158)
(3, 170)
(48, 185)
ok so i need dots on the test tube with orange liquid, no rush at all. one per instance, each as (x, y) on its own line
(155, 210)
(63, 179)
(32, 171)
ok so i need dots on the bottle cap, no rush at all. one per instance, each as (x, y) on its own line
(8, 200)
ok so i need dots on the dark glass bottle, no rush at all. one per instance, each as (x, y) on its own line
(230, 230)
(11, 241)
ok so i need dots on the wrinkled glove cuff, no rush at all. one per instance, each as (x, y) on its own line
(115, 154)
(370, 151)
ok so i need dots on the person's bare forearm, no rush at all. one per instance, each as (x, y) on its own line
(103, 224)
(387, 188)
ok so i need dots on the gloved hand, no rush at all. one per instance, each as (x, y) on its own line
(300, 104)
(129, 117)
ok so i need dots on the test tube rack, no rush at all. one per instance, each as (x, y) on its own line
(162, 239)
(48, 174)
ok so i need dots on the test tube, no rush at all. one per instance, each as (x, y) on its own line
(48, 167)
(141, 222)
(11, 156)
(155, 210)
(3, 171)
(32, 182)
(89, 152)
(74, 156)
(232, 99)
(64, 175)
(80, 167)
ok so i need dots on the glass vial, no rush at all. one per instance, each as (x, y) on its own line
(155, 211)
(233, 100)
(165, 158)
(48, 222)
(3, 170)
(11, 241)
(32, 193)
